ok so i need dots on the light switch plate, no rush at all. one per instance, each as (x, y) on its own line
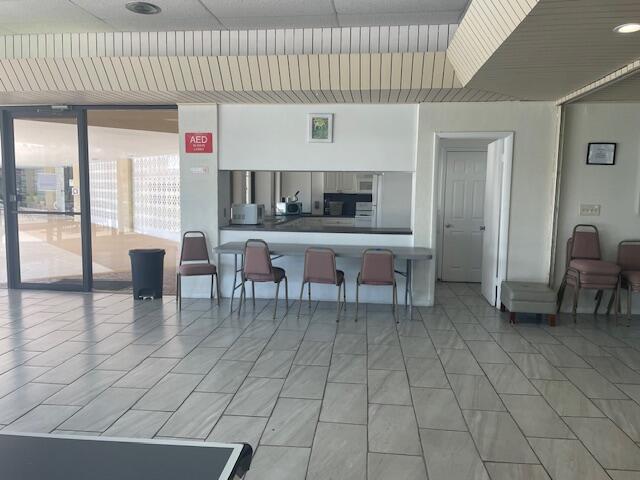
(199, 170)
(589, 210)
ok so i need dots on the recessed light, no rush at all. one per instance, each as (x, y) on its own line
(143, 8)
(627, 28)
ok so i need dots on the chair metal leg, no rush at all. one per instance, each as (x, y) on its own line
(561, 290)
(598, 301)
(338, 304)
(178, 291)
(357, 298)
(243, 296)
(612, 299)
(275, 307)
(286, 295)
(300, 299)
(629, 292)
(344, 294)
(395, 302)
(218, 288)
(574, 310)
(253, 293)
(212, 285)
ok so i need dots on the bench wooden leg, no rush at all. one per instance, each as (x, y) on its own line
(512, 317)
(552, 319)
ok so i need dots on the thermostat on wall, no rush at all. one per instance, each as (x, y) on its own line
(199, 170)
(588, 210)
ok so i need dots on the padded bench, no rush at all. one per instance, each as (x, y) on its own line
(528, 297)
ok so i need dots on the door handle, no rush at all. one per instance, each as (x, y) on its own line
(482, 228)
(448, 225)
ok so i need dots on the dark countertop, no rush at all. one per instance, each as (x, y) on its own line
(284, 224)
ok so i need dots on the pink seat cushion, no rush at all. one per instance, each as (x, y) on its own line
(596, 274)
(633, 278)
(594, 267)
(278, 274)
(339, 279)
(190, 269)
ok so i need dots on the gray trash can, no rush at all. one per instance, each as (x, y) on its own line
(147, 272)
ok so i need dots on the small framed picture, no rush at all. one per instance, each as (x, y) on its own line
(320, 128)
(601, 154)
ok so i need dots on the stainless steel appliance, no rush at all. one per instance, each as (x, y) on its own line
(365, 214)
(247, 214)
(289, 206)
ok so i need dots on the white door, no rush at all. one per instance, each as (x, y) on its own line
(492, 199)
(463, 216)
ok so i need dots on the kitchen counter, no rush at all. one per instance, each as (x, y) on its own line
(313, 223)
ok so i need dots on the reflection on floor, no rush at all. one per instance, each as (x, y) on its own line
(51, 251)
(456, 392)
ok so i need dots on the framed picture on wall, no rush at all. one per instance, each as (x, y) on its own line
(320, 128)
(601, 154)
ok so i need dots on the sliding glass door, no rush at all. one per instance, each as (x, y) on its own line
(48, 244)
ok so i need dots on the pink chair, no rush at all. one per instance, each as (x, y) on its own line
(195, 251)
(256, 267)
(320, 267)
(629, 262)
(377, 269)
(586, 270)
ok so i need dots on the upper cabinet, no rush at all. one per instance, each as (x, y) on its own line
(341, 182)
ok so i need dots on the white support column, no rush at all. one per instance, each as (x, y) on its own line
(199, 185)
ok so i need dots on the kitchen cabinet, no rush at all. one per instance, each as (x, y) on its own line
(340, 182)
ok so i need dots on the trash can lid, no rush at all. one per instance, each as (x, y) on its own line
(136, 251)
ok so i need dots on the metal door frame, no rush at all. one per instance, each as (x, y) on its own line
(10, 194)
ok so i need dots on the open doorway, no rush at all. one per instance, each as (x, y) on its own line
(473, 187)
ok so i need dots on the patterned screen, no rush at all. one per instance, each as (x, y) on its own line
(156, 196)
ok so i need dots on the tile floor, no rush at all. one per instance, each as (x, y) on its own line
(456, 393)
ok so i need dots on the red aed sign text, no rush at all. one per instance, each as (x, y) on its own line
(198, 142)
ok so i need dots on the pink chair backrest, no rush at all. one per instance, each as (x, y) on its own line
(194, 247)
(320, 265)
(377, 267)
(629, 255)
(584, 244)
(257, 260)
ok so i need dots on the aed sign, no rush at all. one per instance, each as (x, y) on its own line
(198, 142)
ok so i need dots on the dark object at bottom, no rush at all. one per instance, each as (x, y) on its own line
(147, 272)
(65, 457)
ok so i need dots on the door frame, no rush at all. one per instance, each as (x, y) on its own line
(437, 213)
(11, 213)
(8, 186)
(442, 199)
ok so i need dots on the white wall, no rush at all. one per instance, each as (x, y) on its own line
(615, 188)
(395, 199)
(198, 192)
(294, 181)
(533, 181)
(274, 137)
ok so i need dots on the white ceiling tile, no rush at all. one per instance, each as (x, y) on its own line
(268, 8)
(399, 6)
(116, 8)
(360, 19)
(156, 23)
(279, 22)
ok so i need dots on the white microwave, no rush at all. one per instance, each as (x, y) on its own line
(247, 214)
(365, 183)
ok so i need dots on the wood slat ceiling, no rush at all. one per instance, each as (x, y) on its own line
(484, 28)
(561, 46)
(626, 89)
(332, 78)
(352, 65)
(613, 86)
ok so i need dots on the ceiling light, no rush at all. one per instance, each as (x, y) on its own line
(143, 8)
(627, 28)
